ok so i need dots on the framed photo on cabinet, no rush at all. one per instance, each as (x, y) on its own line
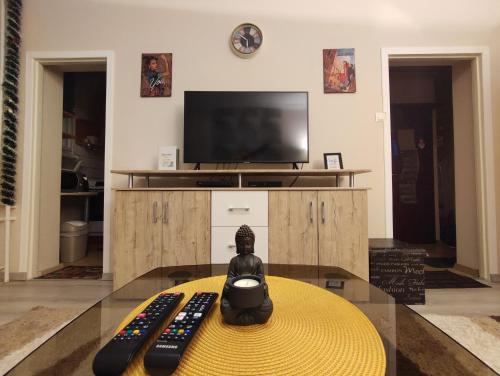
(333, 161)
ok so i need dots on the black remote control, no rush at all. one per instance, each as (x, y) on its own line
(165, 354)
(114, 358)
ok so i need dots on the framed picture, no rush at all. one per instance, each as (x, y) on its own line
(339, 71)
(156, 75)
(333, 161)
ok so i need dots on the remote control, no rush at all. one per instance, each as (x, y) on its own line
(113, 358)
(164, 355)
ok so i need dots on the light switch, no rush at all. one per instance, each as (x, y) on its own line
(379, 116)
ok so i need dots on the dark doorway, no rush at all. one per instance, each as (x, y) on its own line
(423, 160)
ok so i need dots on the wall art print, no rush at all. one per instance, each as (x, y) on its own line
(156, 75)
(339, 71)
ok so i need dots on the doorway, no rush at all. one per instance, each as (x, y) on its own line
(82, 174)
(43, 159)
(475, 61)
(423, 161)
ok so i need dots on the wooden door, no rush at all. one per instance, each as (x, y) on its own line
(343, 230)
(186, 228)
(136, 234)
(293, 227)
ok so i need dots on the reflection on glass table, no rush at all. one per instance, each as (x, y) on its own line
(413, 345)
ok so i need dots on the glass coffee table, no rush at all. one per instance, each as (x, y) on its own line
(413, 345)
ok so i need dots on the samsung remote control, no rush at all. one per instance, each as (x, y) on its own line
(113, 358)
(164, 355)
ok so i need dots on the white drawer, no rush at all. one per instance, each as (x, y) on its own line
(239, 208)
(224, 246)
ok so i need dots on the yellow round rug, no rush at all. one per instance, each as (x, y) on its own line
(311, 332)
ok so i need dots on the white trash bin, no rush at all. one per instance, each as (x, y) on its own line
(74, 235)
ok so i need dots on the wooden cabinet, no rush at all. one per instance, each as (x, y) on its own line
(137, 234)
(343, 230)
(293, 227)
(155, 228)
(319, 227)
(186, 228)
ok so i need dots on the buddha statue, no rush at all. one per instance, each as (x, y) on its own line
(245, 263)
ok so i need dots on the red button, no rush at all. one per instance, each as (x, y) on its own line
(122, 332)
(166, 331)
(141, 315)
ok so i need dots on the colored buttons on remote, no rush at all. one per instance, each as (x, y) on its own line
(165, 354)
(114, 357)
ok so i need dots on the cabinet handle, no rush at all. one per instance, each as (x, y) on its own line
(311, 211)
(165, 212)
(155, 209)
(231, 246)
(323, 218)
(245, 208)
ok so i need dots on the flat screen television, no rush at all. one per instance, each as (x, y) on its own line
(246, 127)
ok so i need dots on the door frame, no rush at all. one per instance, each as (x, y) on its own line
(35, 63)
(483, 132)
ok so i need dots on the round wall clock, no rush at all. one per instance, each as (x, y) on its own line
(246, 40)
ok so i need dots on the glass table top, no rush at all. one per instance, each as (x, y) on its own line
(413, 345)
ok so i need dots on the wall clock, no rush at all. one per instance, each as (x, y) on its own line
(246, 40)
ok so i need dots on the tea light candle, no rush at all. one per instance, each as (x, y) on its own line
(246, 282)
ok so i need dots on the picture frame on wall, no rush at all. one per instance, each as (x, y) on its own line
(156, 75)
(333, 161)
(339, 71)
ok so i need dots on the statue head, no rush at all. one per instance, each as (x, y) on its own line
(245, 240)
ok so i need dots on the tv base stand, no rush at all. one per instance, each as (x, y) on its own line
(295, 166)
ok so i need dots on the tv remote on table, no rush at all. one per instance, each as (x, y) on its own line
(165, 354)
(115, 356)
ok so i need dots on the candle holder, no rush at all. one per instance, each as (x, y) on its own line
(246, 291)
(245, 298)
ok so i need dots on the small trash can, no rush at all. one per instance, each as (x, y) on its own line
(73, 244)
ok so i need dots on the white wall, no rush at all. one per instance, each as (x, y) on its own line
(197, 33)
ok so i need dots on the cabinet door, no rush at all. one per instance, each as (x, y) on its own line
(343, 230)
(136, 234)
(186, 228)
(293, 227)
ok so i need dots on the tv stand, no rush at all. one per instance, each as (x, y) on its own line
(295, 166)
(197, 166)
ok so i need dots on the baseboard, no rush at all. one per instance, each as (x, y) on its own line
(466, 270)
(495, 277)
(15, 276)
(107, 276)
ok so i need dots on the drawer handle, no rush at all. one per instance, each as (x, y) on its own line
(232, 208)
(311, 211)
(165, 212)
(231, 246)
(155, 209)
(323, 218)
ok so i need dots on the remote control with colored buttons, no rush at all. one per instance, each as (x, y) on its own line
(165, 354)
(114, 357)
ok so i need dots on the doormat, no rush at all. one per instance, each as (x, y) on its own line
(444, 279)
(75, 272)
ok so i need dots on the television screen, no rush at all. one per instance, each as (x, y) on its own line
(238, 127)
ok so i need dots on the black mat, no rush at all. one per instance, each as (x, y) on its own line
(75, 272)
(444, 279)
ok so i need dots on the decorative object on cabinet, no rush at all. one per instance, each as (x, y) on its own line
(10, 100)
(245, 299)
(333, 161)
(246, 40)
(168, 158)
(156, 75)
(339, 74)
